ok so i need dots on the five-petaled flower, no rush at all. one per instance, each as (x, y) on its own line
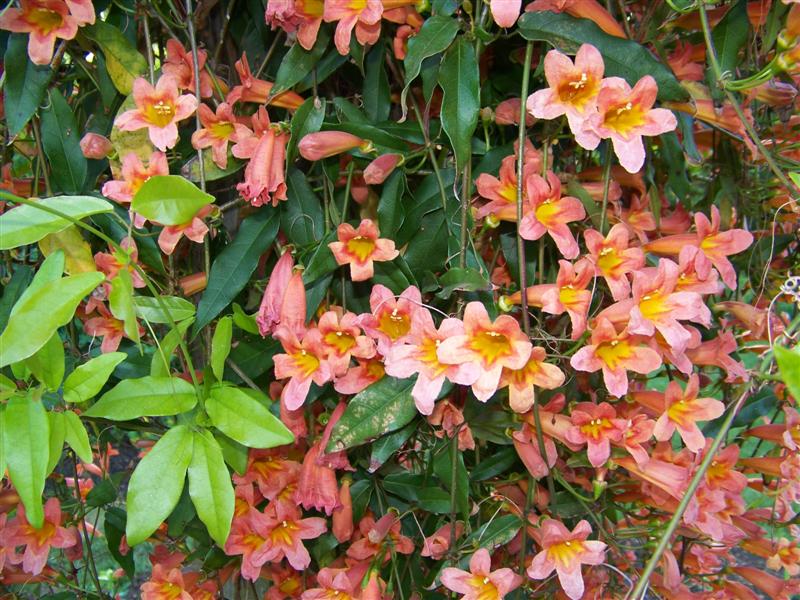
(595, 425)
(38, 542)
(360, 248)
(565, 552)
(480, 582)
(44, 21)
(218, 129)
(159, 109)
(682, 410)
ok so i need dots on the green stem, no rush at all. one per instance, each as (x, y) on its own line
(466, 191)
(606, 186)
(638, 591)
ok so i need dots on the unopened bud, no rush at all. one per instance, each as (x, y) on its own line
(96, 146)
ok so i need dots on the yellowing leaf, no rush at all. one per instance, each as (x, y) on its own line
(77, 252)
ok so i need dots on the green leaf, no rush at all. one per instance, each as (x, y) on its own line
(13, 290)
(244, 321)
(465, 280)
(442, 466)
(75, 435)
(47, 363)
(302, 218)
(423, 491)
(385, 447)
(496, 532)
(145, 397)
(261, 429)
(210, 486)
(232, 268)
(27, 224)
(169, 200)
(26, 435)
(60, 140)
(730, 35)
(123, 62)
(622, 58)
(25, 86)
(322, 261)
(307, 119)
(377, 102)
(390, 208)
(235, 454)
(56, 439)
(160, 363)
(37, 316)
(459, 80)
(501, 460)
(114, 529)
(384, 406)
(120, 302)
(434, 37)
(298, 62)
(2, 438)
(789, 366)
(156, 484)
(149, 308)
(88, 379)
(221, 346)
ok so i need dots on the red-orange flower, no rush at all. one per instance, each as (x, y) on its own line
(682, 410)
(44, 21)
(360, 248)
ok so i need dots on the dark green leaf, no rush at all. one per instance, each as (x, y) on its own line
(25, 84)
(496, 532)
(390, 207)
(385, 447)
(145, 397)
(102, 494)
(383, 407)
(307, 119)
(424, 492)
(298, 62)
(434, 37)
(157, 483)
(376, 84)
(302, 219)
(169, 200)
(493, 465)
(261, 429)
(730, 35)
(322, 261)
(442, 466)
(232, 268)
(622, 58)
(210, 486)
(465, 280)
(12, 291)
(114, 529)
(459, 80)
(60, 140)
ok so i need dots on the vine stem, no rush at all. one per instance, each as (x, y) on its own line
(639, 590)
(606, 186)
(751, 132)
(91, 566)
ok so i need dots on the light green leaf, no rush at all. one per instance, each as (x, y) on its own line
(26, 436)
(434, 37)
(169, 200)
(88, 379)
(458, 78)
(2, 439)
(60, 140)
(75, 435)
(210, 486)
(49, 271)
(157, 482)
(56, 440)
(120, 301)
(149, 308)
(27, 224)
(160, 363)
(145, 397)
(221, 345)
(37, 316)
(235, 453)
(244, 321)
(789, 366)
(47, 363)
(123, 62)
(382, 407)
(261, 429)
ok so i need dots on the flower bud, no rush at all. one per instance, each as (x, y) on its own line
(343, 515)
(322, 144)
(379, 169)
(775, 93)
(96, 146)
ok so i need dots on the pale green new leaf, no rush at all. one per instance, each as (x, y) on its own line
(37, 316)
(75, 435)
(47, 363)
(150, 309)
(145, 397)
(226, 406)
(120, 302)
(789, 366)
(56, 439)
(210, 486)
(221, 345)
(156, 484)
(159, 365)
(169, 200)
(26, 442)
(88, 379)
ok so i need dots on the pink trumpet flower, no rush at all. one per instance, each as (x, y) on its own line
(360, 248)
(44, 21)
(480, 582)
(548, 212)
(682, 410)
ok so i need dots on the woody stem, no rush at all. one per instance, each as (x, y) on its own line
(638, 591)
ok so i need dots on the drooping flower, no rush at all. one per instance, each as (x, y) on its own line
(360, 248)
(111, 263)
(134, 174)
(269, 311)
(322, 144)
(303, 363)
(536, 372)
(548, 212)
(379, 169)
(38, 542)
(334, 583)
(159, 109)
(490, 345)
(717, 352)
(682, 410)
(362, 15)
(316, 486)
(264, 176)
(565, 552)
(105, 325)
(342, 525)
(614, 258)
(615, 353)
(195, 230)
(180, 66)
(420, 356)
(44, 21)
(624, 115)
(259, 91)
(219, 128)
(595, 425)
(573, 91)
(374, 542)
(302, 16)
(436, 545)
(480, 582)
(451, 420)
